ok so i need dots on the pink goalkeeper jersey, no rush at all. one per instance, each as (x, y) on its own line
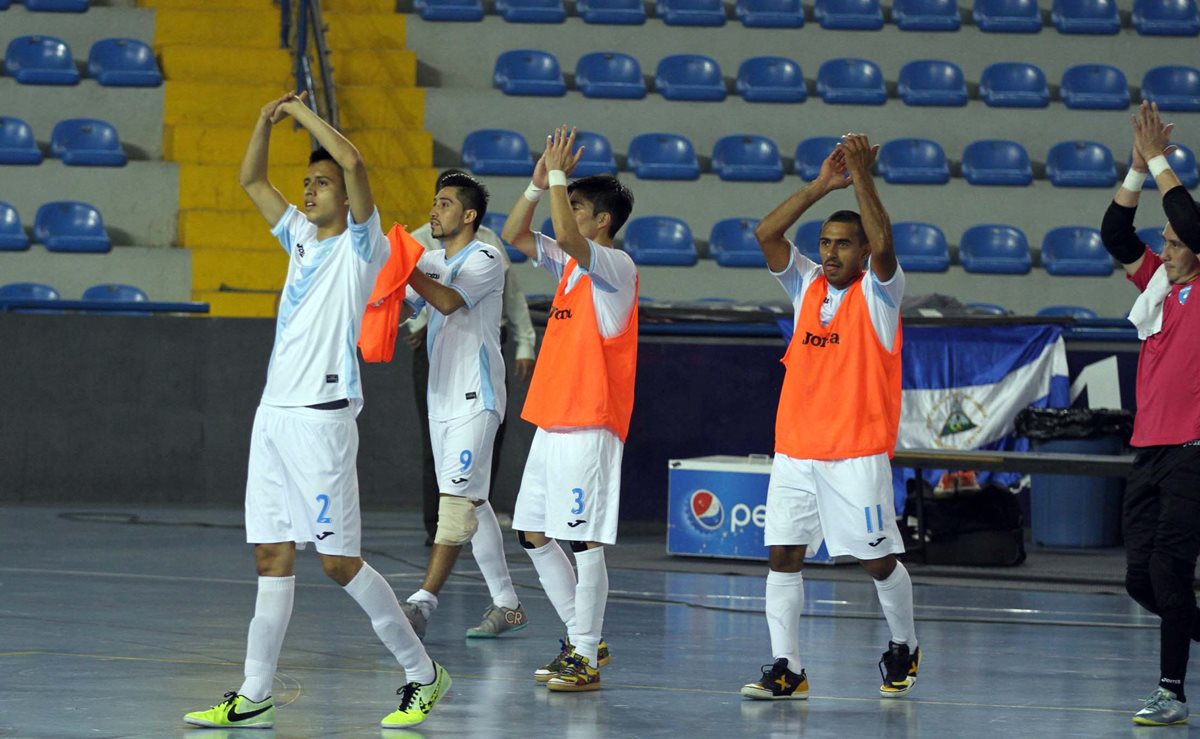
(1168, 373)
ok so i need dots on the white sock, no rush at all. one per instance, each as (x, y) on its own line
(272, 611)
(896, 598)
(487, 546)
(785, 602)
(557, 578)
(591, 597)
(424, 600)
(375, 596)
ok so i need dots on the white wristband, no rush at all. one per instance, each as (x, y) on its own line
(533, 193)
(558, 178)
(1134, 180)
(1157, 165)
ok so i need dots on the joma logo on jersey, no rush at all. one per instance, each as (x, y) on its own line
(433, 275)
(820, 341)
(300, 250)
(559, 313)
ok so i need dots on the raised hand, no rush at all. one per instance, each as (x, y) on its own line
(288, 106)
(859, 153)
(270, 111)
(833, 174)
(1151, 136)
(558, 154)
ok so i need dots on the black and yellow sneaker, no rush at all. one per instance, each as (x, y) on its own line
(898, 669)
(417, 700)
(547, 671)
(778, 683)
(236, 712)
(576, 675)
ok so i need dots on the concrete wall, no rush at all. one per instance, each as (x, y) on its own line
(163, 273)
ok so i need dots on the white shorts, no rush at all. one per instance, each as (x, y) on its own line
(848, 500)
(571, 489)
(462, 454)
(302, 483)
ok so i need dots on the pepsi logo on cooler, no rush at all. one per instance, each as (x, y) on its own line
(706, 510)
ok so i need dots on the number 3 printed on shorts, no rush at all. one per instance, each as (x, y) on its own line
(323, 516)
(578, 493)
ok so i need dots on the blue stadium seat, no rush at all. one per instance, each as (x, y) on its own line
(1183, 164)
(1095, 87)
(690, 12)
(612, 12)
(921, 247)
(932, 82)
(660, 240)
(913, 162)
(12, 235)
(57, 6)
(1086, 16)
(926, 15)
(495, 151)
(1077, 312)
(548, 227)
(1007, 16)
(663, 156)
(771, 79)
(495, 221)
(598, 157)
(1152, 237)
(70, 226)
(744, 157)
(989, 309)
(117, 293)
(27, 291)
(1080, 164)
(610, 74)
(851, 81)
(40, 60)
(532, 11)
(994, 249)
(770, 13)
(4, 4)
(811, 152)
(1075, 251)
(528, 72)
(731, 242)
(1014, 85)
(449, 10)
(17, 144)
(87, 142)
(123, 62)
(690, 77)
(852, 15)
(1166, 17)
(996, 162)
(1173, 87)
(807, 239)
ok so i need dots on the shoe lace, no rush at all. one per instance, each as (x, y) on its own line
(407, 693)
(1158, 700)
(564, 654)
(896, 663)
(230, 697)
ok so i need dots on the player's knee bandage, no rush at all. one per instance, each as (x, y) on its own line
(524, 541)
(579, 546)
(456, 521)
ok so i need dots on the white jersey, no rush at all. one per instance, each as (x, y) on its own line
(466, 366)
(614, 281)
(883, 298)
(315, 358)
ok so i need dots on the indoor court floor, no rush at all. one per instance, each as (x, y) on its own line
(115, 622)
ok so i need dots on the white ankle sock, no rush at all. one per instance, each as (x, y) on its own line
(896, 598)
(272, 611)
(785, 602)
(487, 546)
(376, 597)
(557, 578)
(425, 600)
(591, 597)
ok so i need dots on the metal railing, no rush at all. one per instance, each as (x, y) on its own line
(302, 30)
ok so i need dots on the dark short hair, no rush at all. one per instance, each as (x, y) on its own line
(606, 194)
(441, 178)
(321, 154)
(848, 216)
(470, 193)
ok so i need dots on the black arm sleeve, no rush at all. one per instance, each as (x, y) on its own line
(1119, 236)
(1183, 215)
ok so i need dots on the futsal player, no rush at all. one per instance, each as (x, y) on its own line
(463, 285)
(580, 398)
(302, 483)
(838, 417)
